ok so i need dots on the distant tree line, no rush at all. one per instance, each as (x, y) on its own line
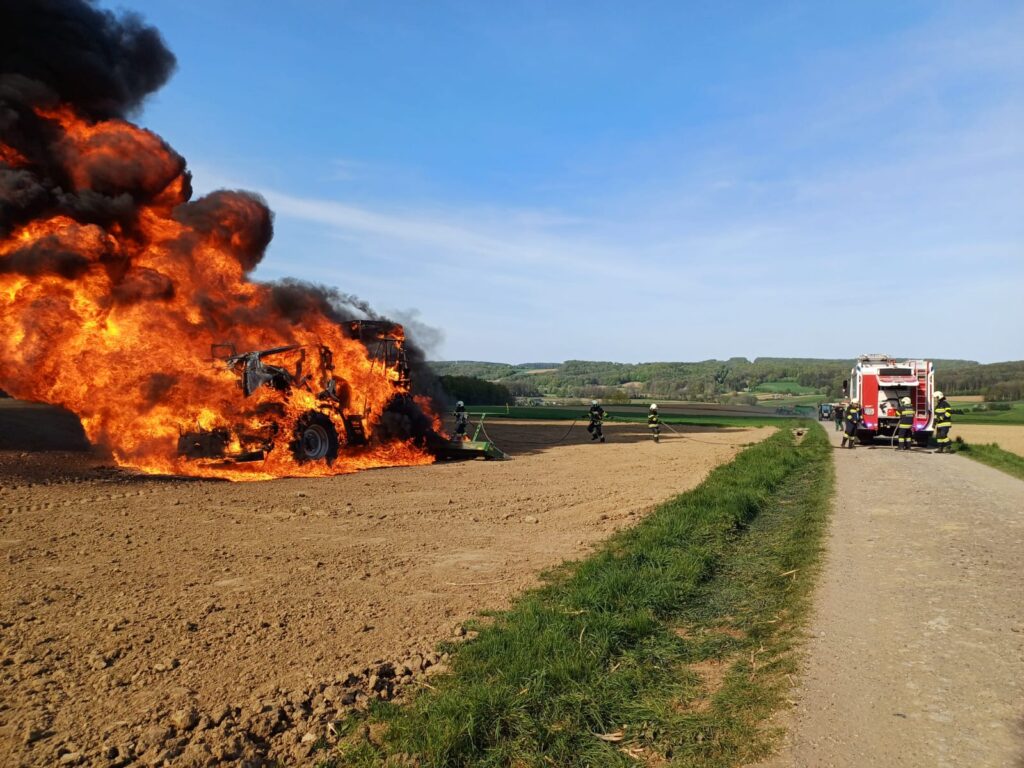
(996, 381)
(730, 380)
(475, 391)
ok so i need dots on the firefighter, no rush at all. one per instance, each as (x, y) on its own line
(837, 413)
(653, 422)
(943, 421)
(596, 414)
(851, 417)
(905, 427)
(461, 420)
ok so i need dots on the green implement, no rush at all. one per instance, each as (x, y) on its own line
(466, 449)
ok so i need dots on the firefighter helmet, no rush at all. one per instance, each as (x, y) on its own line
(460, 404)
(654, 406)
(855, 402)
(905, 401)
(939, 395)
(593, 402)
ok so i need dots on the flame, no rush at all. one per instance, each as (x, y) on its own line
(427, 406)
(10, 156)
(116, 322)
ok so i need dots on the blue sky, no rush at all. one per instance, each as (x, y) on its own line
(645, 181)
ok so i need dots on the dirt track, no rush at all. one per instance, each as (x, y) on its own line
(194, 621)
(916, 649)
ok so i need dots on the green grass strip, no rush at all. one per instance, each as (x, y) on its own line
(991, 454)
(672, 643)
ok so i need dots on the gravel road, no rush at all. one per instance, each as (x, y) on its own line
(916, 647)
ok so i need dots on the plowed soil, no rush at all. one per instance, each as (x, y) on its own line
(158, 621)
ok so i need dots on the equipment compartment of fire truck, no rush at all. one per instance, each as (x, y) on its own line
(878, 383)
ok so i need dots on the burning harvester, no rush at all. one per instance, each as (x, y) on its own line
(269, 379)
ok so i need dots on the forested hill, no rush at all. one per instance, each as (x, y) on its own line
(714, 379)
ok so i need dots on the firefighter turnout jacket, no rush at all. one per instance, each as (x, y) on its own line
(852, 418)
(652, 420)
(943, 422)
(594, 427)
(907, 414)
(461, 419)
(905, 427)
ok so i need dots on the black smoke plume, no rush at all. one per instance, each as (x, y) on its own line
(55, 52)
(70, 51)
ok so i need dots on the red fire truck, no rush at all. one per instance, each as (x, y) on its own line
(878, 382)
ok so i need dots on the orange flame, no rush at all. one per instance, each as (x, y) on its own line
(10, 156)
(116, 323)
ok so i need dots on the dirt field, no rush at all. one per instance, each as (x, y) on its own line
(160, 620)
(915, 655)
(1009, 437)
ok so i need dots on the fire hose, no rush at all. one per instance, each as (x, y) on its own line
(689, 437)
(534, 442)
(483, 429)
(680, 434)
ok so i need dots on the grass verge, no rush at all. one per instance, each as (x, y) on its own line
(671, 645)
(993, 455)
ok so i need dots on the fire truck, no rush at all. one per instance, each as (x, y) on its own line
(879, 382)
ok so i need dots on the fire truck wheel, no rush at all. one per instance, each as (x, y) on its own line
(316, 439)
(921, 440)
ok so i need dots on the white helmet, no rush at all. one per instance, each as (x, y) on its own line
(939, 395)
(593, 402)
(904, 401)
(855, 402)
(460, 404)
(654, 406)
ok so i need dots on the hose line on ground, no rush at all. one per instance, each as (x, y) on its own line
(690, 437)
(534, 442)
(483, 429)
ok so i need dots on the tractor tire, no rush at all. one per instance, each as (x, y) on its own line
(316, 439)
